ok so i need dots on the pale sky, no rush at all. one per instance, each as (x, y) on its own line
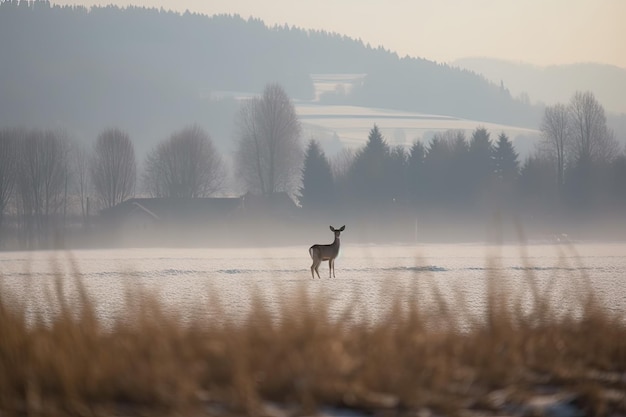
(540, 32)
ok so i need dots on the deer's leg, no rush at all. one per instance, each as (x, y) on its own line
(317, 265)
(314, 257)
(331, 267)
(314, 267)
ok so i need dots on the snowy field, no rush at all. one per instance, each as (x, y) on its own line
(336, 126)
(367, 279)
(352, 124)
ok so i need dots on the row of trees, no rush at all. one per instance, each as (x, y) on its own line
(48, 181)
(578, 167)
(43, 174)
(450, 171)
(45, 177)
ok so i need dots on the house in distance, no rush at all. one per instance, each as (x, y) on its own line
(215, 221)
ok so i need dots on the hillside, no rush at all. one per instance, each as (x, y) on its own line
(150, 71)
(555, 83)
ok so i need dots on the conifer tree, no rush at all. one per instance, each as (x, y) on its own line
(415, 171)
(317, 190)
(445, 166)
(397, 174)
(480, 163)
(367, 176)
(505, 160)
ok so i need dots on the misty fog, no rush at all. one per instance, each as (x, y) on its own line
(140, 127)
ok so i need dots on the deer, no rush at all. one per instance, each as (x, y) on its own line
(328, 253)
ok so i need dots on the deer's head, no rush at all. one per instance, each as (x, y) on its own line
(337, 232)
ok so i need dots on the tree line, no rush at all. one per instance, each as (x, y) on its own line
(49, 182)
(577, 169)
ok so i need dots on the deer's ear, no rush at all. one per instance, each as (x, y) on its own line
(332, 229)
(342, 228)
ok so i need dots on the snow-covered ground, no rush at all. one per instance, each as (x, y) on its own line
(348, 126)
(367, 279)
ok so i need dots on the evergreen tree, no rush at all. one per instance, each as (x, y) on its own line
(367, 178)
(445, 167)
(318, 189)
(505, 160)
(506, 173)
(458, 178)
(396, 173)
(415, 171)
(480, 163)
(537, 182)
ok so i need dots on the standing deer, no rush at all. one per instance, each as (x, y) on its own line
(328, 253)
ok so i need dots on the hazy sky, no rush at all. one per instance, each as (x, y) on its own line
(541, 32)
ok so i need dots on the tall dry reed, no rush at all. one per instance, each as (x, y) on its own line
(153, 361)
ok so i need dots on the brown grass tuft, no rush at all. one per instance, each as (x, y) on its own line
(152, 361)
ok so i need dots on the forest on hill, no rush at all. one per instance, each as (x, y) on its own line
(554, 83)
(152, 71)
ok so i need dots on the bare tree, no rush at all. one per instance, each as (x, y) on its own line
(113, 167)
(269, 152)
(555, 127)
(8, 159)
(186, 165)
(592, 140)
(42, 180)
(80, 174)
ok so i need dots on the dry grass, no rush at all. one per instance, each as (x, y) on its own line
(152, 362)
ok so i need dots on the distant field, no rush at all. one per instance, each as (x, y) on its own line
(348, 126)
